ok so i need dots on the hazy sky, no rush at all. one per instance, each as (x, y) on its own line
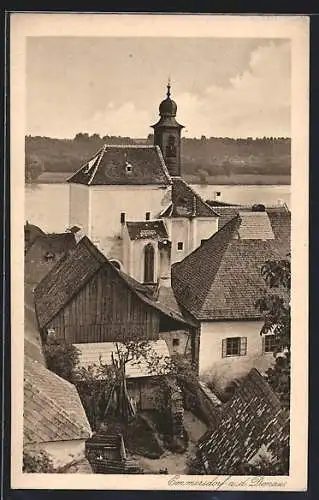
(223, 87)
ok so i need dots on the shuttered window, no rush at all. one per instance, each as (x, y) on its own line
(269, 343)
(234, 346)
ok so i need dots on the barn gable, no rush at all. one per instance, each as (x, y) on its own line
(86, 299)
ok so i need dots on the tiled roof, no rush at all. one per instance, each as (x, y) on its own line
(55, 242)
(124, 165)
(52, 407)
(30, 233)
(32, 339)
(91, 353)
(251, 420)
(154, 229)
(221, 279)
(73, 271)
(166, 296)
(186, 202)
(255, 226)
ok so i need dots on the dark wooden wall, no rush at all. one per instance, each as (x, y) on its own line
(105, 310)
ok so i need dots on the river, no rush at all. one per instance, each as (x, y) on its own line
(47, 205)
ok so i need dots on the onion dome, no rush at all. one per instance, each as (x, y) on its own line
(168, 107)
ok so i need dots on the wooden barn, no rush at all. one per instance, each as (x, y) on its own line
(85, 299)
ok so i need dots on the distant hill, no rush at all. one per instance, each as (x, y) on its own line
(205, 160)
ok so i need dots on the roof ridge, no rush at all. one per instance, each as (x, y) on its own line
(225, 226)
(197, 195)
(161, 157)
(180, 268)
(83, 165)
(102, 151)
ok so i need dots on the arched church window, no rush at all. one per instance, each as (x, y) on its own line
(171, 146)
(149, 264)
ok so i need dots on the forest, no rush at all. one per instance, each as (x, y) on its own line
(204, 160)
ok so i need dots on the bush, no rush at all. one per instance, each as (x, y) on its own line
(37, 461)
(61, 358)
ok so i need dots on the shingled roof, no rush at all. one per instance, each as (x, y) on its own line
(251, 421)
(186, 202)
(73, 271)
(147, 229)
(52, 407)
(124, 165)
(221, 279)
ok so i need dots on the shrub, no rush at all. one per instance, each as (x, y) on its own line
(61, 358)
(37, 461)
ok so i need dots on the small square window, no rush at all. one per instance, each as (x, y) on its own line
(122, 217)
(180, 245)
(269, 343)
(176, 342)
(147, 215)
(202, 241)
(234, 346)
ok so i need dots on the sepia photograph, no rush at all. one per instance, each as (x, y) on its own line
(160, 251)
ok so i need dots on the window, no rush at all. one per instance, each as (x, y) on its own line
(49, 257)
(129, 168)
(147, 215)
(202, 241)
(180, 245)
(122, 217)
(149, 264)
(269, 343)
(234, 346)
(176, 342)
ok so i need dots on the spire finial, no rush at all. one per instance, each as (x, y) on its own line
(169, 87)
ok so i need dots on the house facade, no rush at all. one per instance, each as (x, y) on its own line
(219, 284)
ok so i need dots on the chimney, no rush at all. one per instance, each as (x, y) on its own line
(218, 196)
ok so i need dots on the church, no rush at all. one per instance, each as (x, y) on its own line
(133, 204)
(202, 260)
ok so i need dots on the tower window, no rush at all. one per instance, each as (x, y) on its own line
(122, 217)
(147, 215)
(180, 245)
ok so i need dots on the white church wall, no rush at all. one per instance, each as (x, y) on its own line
(137, 259)
(107, 204)
(180, 239)
(206, 227)
(80, 207)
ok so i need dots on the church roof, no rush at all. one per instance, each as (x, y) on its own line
(147, 229)
(221, 279)
(186, 202)
(124, 165)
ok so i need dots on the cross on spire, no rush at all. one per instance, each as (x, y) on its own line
(169, 87)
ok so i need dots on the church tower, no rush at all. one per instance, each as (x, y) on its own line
(167, 134)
